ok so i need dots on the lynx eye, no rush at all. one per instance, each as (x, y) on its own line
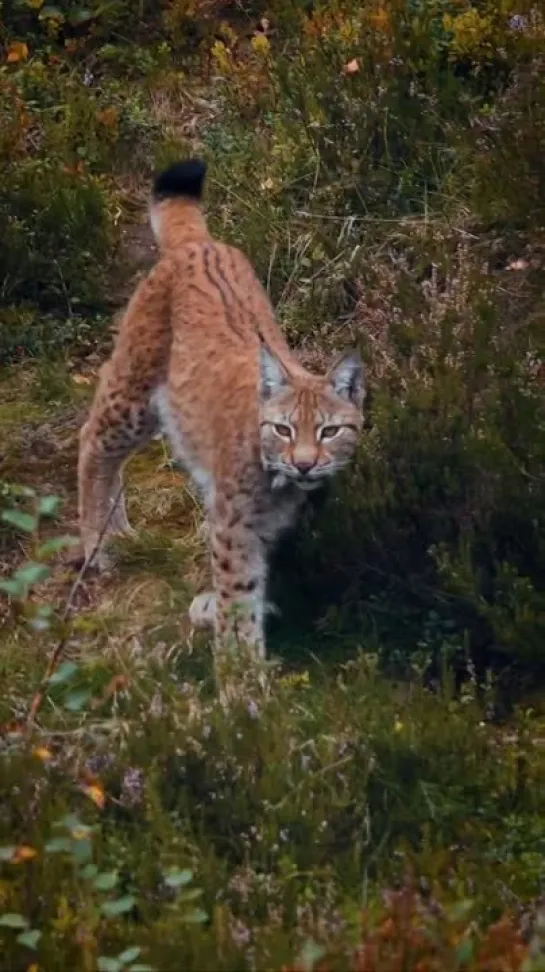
(330, 431)
(283, 431)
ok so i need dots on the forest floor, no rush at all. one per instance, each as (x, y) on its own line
(289, 817)
(361, 804)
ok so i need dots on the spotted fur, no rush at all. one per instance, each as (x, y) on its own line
(199, 355)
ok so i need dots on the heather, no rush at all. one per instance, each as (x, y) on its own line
(373, 799)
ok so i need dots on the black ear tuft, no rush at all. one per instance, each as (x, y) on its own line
(183, 179)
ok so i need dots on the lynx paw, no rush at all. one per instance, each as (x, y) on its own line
(202, 610)
(100, 562)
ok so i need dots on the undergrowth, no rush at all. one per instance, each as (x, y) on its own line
(374, 801)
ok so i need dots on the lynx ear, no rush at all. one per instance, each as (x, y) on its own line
(346, 377)
(273, 376)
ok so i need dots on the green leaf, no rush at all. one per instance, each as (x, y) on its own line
(119, 907)
(32, 573)
(6, 853)
(106, 881)
(464, 952)
(89, 871)
(82, 850)
(105, 964)
(13, 490)
(177, 879)
(29, 938)
(64, 673)
(76, 701)
(58, 845)
(41, 619)
(72, 822)
(51, 13)
(23, 521)
(461, 910)
(129, 955)
(81, 16)
(196, 916)
(191, 894)
(310, 954)
(12, 588)
(109, 50)
(49, 505)
(10, 920)
(55, 545)
(141, 968)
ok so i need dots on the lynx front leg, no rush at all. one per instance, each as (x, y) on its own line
(239, 572)
(202, 610)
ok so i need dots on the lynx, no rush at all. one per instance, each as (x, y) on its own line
(199, 356)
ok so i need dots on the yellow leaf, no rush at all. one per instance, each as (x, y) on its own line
(381, 19)
(260, 44)
(80, 833)
(43, 753)
(222, 56)
(95, 793)
(35, 4)
(33, 968)
(23, 853)
(296, 679)
(75, 170)
(109, 117)
(18, 51)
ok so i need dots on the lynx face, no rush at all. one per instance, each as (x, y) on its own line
(309, 430)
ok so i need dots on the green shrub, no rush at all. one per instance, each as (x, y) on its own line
(149, 816)
(63, 147)
(370, 183)
(382, 168)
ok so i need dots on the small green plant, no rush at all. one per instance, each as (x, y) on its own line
(96, 892)
(25, 513)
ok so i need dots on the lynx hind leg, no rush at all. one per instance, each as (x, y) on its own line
(107, 440)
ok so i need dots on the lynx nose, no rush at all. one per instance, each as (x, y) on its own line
(304, 466)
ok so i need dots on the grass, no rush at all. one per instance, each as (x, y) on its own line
(373, 798)
(293, 810)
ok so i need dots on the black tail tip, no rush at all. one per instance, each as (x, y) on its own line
(183, 179)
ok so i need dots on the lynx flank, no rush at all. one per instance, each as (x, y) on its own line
(200, 356)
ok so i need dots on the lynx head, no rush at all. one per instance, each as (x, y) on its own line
(309, 425)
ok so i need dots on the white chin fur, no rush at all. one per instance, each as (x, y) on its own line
(279, 481)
